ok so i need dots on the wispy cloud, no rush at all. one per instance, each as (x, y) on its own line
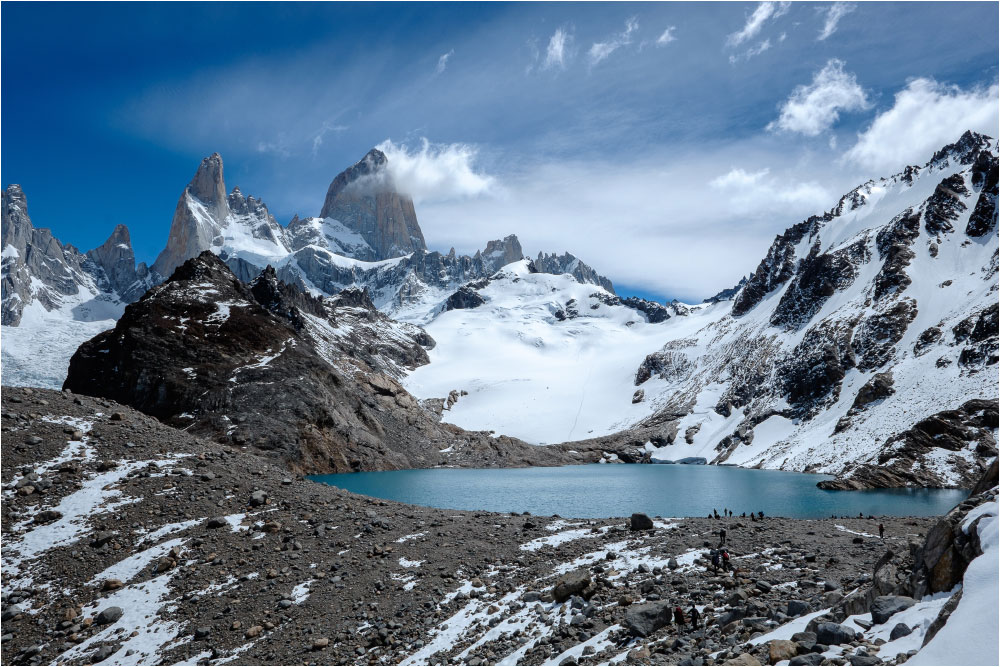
(751, 52)
(925, 116)
(601, 50)
(834, 13)
(326, 127)
(557, 51)
(666, 36)
(764, 12)
(443, 61)
(814, 108)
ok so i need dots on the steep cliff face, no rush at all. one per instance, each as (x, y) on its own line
(363, 198)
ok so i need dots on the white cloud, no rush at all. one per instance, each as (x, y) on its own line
(666, 37)
(813, 109)
(738, 177)
(436, 172)
(925, 116)
(556, 53)
(443, 61)
(834, 13)
(751, 52)
(755, 22)
(601, 50)
(753, 191)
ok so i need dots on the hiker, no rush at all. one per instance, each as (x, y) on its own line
(678, 615)
(753, 517)
(716, 561)
(725, 561)
(695, 617)
(743, 516)
(716, 513)
(722, 537)
(760, 515)
(881, 532)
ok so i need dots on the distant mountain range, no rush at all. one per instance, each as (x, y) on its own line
(374, 242)
(864, 344)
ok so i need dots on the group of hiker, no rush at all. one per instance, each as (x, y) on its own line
(728, 513)
(693, 617)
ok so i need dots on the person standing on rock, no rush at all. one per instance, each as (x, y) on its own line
(716, 561)
(726, 566)
(678, 616)
(695, 616)
(881, 532)
(722, 538)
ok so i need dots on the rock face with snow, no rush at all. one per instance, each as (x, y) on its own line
(205, 351)
(54, 296)
(858, 324)
(367, 237)
(206, 218)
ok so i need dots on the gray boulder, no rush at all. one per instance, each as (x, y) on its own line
(900, 630)
(645, 619)
(885, 606)
(833, 634)
(640, 522)
(109, 615)
(570, 584)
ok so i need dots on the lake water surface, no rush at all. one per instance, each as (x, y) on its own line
(600, 491)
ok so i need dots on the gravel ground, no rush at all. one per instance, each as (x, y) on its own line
(126, 541)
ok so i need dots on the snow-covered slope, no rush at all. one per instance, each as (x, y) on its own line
(856, 326)
(544, 358)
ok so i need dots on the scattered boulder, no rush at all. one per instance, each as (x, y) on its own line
(899, 630)
(640, 521)
(109, 615)
(781, 649)
(645, 619)
(570, 584)
(886, 606)
(833, 634)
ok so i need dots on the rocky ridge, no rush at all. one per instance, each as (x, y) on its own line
(204, 351)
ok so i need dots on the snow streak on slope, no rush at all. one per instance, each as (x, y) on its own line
(535, 376)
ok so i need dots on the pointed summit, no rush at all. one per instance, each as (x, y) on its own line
(363, 198)
(209, 184)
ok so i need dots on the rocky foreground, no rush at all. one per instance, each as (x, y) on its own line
(130, 542)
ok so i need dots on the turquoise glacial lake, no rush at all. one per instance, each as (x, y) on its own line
(602, 491)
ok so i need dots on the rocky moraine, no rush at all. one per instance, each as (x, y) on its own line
(127, 541)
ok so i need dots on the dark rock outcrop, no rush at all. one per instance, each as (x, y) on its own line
(465, 297)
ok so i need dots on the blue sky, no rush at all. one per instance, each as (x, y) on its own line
(665, 144)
